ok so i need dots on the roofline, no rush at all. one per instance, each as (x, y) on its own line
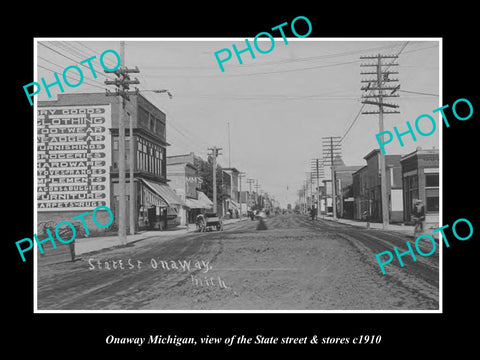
(419, 152)
(231, 168)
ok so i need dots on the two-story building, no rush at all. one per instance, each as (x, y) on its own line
(186, 182)
(232, 200)
(367, 188)
(77, 147)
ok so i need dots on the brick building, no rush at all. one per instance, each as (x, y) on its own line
(185, 181)
(77, 158)
(420, 175)
(344, 190)
(367, 188)
(232, 202)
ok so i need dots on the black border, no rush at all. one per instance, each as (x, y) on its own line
(58, 335)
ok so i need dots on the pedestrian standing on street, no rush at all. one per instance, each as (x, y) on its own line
(418, 216)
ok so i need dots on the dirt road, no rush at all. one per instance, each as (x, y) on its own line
(296, 264)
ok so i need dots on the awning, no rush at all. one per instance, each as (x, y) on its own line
(152, 198)
(165, 192)
(207, 203)
(203, 202)
(235, 204)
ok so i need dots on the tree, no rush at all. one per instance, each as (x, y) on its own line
(205, 172)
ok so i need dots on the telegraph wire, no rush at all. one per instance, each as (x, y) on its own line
(85, 81)
(418, 93)
(185, 138)
(76, 61)
(363, 105)
(176, 125)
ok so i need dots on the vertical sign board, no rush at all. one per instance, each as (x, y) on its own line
(74, 156)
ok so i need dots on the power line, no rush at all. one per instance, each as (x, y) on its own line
(267, 72)
(418, 92)
(363, 105)
(353, 122)
(85, 81)
(76, 61)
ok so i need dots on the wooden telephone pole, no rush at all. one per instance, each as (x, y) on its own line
(122, 90)
(376, 93)
(331, 148)
(214, 153)
(317, 173)
(240, 175)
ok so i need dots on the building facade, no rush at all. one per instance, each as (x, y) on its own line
(184, 179)
(232, 200)
(344, 190)
(367, 188)
(421, 180)
(362, 204)
(78, 162)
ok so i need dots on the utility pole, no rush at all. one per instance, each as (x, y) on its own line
(256, 191)
(309, 188)
(122, 85)
(317, 171)
(376, 94)
(331, 146)
(240, 175)
(214, 153)
(250, 182)
(132, 178)
(229, 149)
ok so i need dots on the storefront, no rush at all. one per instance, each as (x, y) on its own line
(233, 209)
(159, 206)
(197, 206)
(420, 174)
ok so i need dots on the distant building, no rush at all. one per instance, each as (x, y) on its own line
(420, 175)
(367, 188)
(362, 203)
(231, 188)
(344, 190)
(245, 198)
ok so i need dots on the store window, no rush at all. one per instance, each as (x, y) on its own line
(432, 192)
(433, 204)
(431, 180)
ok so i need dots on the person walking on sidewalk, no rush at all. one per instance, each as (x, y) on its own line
(418, 216)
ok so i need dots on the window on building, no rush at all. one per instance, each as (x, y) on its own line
(432, 199)
(431, 180)
(432, 192)
(158, 127)
(433, 204)
(151, 123)
(143, 117)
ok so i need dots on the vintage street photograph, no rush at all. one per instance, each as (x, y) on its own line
(237, 175)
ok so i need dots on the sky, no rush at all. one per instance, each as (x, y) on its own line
(275, 108)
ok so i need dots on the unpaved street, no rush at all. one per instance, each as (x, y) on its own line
(296, 264)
